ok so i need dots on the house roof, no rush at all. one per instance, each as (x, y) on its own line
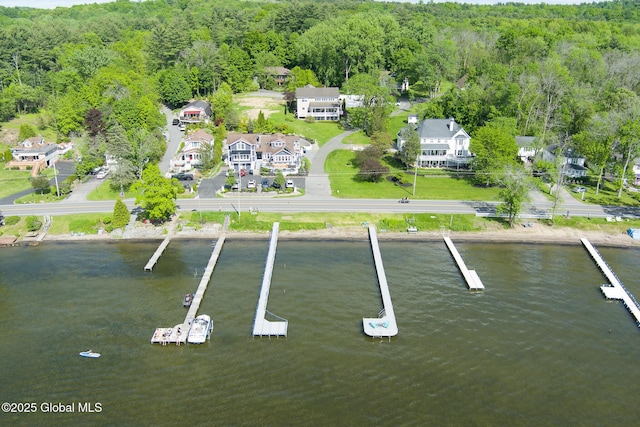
(278, 71)
(438, 128)
(199, 135)
(200, 105)
(435, 146)
(525, 141)
(264, 143)
(313, 92)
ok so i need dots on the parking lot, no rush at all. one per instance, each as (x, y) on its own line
(209, 186)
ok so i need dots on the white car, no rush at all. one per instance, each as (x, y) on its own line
(102, 174)
(289, 184)
(251, 183)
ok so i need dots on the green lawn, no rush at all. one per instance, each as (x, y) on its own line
(105, 192)
(35, 120)
(88, 223)
(607, 196)
(434, 185)
(358, 138)
(13, 181)
(321, 132)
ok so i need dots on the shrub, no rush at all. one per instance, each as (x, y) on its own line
(33, 223)
(11, 220)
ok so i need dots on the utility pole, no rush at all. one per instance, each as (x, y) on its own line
(415, 176)
(55, 176)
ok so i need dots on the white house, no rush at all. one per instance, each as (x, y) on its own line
(196, 112)
(321, 103)
(190, 155)
(526, 148)
(443, 143)
(34, 153)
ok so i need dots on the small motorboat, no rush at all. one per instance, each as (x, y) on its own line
(186, 302)
(89, 353)
(200, 329)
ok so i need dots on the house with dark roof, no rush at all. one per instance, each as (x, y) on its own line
(443, 143)
(190, 155)
(196, 112)
(34, 154)
(572, 162)
(253, 152)
(321, 103)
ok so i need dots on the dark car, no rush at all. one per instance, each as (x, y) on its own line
(175, 122)
(183, 176)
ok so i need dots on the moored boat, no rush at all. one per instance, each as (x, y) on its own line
(89, 353)
(188, 299)
(200, 329)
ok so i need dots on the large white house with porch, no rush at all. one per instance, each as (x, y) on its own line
(321, 103)
(443, 144)
(253, 152)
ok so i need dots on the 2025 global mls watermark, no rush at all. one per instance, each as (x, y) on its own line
(51, 407)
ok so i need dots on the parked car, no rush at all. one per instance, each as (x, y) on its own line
(183, 176)
(251, 183)
(289, 183)
(102, 174)
(579, 189)
(234, 187)
(182, 127)
(175, 122)
(243, 172)
(265, 183)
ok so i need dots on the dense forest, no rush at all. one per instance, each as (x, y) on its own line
(557, 72)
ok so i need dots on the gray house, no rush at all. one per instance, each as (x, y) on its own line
(572, 161)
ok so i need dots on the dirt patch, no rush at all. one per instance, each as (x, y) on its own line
(257, 104)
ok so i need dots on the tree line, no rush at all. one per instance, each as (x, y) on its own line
(567, 74)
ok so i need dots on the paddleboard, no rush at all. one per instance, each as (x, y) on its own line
(89, 354)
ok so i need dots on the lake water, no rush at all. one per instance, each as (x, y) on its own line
(540, 346)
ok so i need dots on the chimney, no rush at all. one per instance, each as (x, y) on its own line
(451, 122)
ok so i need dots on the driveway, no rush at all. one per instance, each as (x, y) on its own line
(317, 183)
(173, 136)
(65, 169)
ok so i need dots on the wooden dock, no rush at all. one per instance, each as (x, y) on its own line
(615, 289)
(178, 334)
(154, 258)
(261, 326)
(470, 276)
(385, 324)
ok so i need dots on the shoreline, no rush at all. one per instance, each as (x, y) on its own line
(538, 234)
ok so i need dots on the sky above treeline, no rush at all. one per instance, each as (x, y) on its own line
(50, 4)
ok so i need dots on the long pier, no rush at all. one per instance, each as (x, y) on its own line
(470, 276)
(178, 334)
(385, 324)
(156, 255)
(614, 290)
(261, 326)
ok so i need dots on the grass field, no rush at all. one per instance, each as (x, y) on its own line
(320, 132)
(436, 185)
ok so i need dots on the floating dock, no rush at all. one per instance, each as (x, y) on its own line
(614, 290)
(178, 334)
(154, 258)
(261, 326)
(385, 324)
(470, 276)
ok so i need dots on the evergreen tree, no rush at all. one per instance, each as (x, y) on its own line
(120, 214)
